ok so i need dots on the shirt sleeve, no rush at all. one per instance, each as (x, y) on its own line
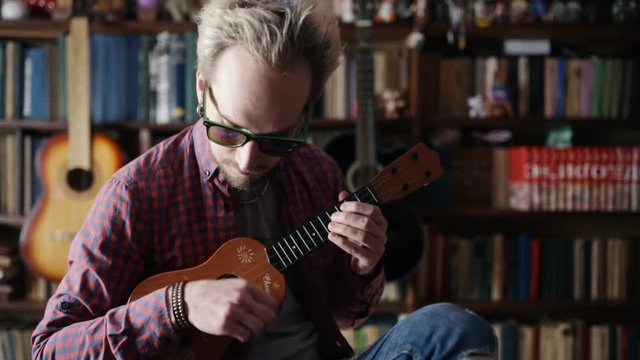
(88, 316)
(357, 294)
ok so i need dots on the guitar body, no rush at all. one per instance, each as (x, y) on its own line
(240, 258)
(66, 198)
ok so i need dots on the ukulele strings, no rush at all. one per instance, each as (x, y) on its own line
(380, 181)
(322, 232)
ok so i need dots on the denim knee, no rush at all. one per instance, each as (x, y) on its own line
(459, 331)
(439, 331)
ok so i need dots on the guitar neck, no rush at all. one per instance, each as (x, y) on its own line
(78, 98)
(313, 234)
(366, 95)
(365, 131)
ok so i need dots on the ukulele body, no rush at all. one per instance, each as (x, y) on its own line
(241, 258)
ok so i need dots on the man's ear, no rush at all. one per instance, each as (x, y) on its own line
(200, 82)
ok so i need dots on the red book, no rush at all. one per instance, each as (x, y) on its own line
(519, 189)
(593, 158)
(546, 188)
(635, 179)
(561, 179)
(610, 178)
(571, 198)
(534, 285)
(535, 158)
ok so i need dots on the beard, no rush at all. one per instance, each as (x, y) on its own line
(237, 179)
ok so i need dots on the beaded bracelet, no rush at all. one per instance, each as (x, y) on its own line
(178, 307)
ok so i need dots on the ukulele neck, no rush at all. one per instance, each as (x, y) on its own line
(313, 234)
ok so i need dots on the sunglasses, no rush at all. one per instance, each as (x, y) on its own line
(233, 137)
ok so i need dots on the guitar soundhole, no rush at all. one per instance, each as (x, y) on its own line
(79, 179)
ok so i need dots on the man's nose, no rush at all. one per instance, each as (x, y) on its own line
(248, 156)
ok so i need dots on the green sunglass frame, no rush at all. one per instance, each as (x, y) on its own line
(248, 135)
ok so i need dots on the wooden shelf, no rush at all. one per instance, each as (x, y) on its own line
(624, 224)
(394, 125)
(596, 311)
(32, 125)
(316, 124)
(48, 29)
(11, 221)
(379, 32)
(564, 33)
(531, 123)
(139, 27)
(32, 29)
(22, 307)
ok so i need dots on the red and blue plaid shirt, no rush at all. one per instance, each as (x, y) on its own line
(170, 209)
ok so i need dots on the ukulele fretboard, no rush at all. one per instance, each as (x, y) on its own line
(293, 247)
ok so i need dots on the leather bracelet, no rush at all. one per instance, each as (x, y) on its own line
(178, 307)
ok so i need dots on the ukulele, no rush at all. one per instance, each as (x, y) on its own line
(249, 259)
(360, 157)
(73, 168)
(365, 166)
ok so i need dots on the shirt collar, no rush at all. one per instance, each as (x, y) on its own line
(209, 167)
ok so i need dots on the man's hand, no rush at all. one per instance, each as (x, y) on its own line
(361, 230)
(232, 307)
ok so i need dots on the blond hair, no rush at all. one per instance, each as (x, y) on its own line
(275, 32)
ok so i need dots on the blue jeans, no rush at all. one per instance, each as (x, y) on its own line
(439, 331)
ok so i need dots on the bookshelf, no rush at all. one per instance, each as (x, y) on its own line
(570, 33)
(449, 224)
(421, 122)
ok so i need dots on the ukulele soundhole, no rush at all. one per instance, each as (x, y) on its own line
(80, 179)
(227, 276)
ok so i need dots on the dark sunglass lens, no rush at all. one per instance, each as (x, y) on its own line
(224, 136)
(278, 147)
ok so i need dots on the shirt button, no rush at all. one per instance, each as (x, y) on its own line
(338, 344)
(64, 306)
(207, 172)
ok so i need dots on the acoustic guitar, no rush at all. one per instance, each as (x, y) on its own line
(72, 167)
(249, 259)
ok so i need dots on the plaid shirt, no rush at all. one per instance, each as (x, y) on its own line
(170, 209)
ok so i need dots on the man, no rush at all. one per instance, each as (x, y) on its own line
(242, 170)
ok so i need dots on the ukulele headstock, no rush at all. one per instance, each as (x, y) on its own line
(411, 171)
